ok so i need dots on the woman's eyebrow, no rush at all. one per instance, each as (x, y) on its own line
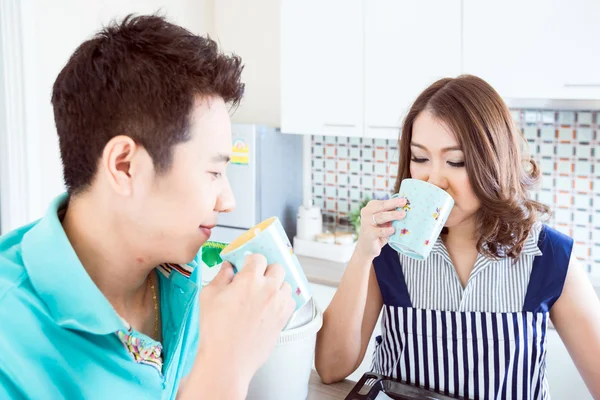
(444, 150)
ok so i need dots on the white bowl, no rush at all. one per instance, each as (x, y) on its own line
(286, 373)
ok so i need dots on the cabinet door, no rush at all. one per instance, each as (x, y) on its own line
(322, 67)
(512, 45)
(535, 49)
(408, 46)
(577, 52)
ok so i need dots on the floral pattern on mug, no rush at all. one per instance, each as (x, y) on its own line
(437, 213)
(407, 205)
(404, 231)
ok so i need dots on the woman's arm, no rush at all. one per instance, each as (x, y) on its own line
(576, 317)
(349, 320)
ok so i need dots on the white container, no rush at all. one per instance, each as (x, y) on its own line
(286, 373)
(301, 317)
(332, 252)
(309, 222)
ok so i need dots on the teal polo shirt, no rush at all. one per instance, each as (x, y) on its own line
(58, 333)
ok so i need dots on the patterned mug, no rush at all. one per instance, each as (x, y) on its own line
(269, 239)
(427, 209)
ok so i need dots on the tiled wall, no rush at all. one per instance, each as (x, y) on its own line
(347, 170)
(566, 144)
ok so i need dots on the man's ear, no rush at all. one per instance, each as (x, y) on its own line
(118, 163)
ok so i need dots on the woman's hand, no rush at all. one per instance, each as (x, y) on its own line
(376, 225)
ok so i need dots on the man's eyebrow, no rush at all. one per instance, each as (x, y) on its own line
(224, 158)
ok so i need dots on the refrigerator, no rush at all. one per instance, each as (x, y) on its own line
(265, 174)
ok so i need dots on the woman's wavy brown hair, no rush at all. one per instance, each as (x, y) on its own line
(500, 174)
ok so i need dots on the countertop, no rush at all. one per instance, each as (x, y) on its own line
(321, 271)
(317, 390)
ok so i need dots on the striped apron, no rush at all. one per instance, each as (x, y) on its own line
(475, 355)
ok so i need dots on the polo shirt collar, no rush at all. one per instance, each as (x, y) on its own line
(61, 281)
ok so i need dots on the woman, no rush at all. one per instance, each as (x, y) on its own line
(471, 320)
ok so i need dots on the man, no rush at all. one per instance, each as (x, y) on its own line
(99, 299)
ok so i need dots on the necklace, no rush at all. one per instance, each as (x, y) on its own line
(155, 306)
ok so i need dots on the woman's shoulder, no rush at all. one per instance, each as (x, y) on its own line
(549, 270)
(555, 248)
(548, 235)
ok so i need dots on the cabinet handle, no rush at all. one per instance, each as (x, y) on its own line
(339, 125)
(583, 85)
(384, 127)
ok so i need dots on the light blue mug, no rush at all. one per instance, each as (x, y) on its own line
(269, 239)
(427, 210)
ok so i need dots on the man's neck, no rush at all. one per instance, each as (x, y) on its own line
(102, 245)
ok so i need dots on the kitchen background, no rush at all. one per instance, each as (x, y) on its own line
(342, 73)
(346, 171)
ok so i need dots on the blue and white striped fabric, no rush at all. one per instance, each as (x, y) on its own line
(494, 285)
(486, 342)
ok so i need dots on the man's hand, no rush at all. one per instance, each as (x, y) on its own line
(241, 317)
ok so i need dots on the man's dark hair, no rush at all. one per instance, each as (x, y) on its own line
(140, 78)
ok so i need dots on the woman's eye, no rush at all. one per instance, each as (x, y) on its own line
(418, 160)
(456, 164)
(217, 175)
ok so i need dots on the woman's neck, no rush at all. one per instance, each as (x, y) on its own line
(461, 236)
(461, 243)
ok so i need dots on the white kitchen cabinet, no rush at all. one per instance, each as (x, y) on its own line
(353, 67)
(511, 45)
(577, 51)
(322, 67)
(535, 49)
(408, 46)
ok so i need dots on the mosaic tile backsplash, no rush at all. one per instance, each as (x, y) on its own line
(566, 145)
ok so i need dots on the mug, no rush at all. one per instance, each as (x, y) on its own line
(269, 239)
(427, 209)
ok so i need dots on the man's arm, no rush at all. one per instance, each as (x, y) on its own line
(241, 318)
(211, 379)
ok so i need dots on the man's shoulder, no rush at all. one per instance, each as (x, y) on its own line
(14, 280)
(18, 299)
